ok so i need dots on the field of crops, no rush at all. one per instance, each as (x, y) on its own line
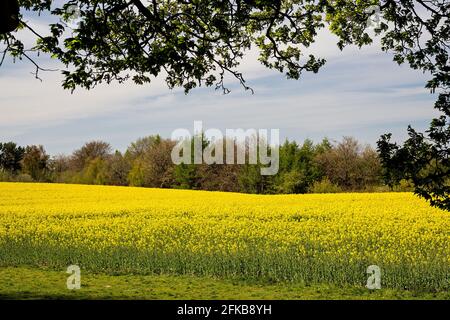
(304, 238)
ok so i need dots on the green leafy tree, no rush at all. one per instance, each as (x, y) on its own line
(292, 182)
(186, 176)
(298, 168)
(95, 172)
(251, 181)
(218, 177)
(198, 42)
(155, 167)
(11, 157)
(92, 150)
(424, 159)
(141, 146)
(61, 170)
(350, 165)
(36, 163)
(118, 169)
(136, 176)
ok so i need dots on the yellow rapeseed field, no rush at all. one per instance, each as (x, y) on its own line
(309, 238)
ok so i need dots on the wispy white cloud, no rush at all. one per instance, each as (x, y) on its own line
(359, 92)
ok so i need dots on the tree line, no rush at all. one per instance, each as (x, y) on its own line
(310, 167)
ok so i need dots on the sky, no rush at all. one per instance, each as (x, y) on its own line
(359, 92)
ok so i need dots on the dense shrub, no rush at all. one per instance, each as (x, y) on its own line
(324, 186)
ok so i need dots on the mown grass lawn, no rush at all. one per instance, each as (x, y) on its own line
(35, 283)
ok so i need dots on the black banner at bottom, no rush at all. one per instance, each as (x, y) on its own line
(242, 309)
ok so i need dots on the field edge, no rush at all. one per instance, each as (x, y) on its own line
(25, 283)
